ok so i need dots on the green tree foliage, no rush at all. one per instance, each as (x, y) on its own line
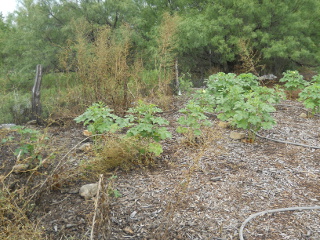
(206, 36)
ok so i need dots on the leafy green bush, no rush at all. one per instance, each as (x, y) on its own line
(218, 84)
(185, 82)
(311, 97)
(240, 100)
(316, 79)
(293, 80)
(148, 126)
(193, 119)
(15, 108)
(141, 122)
(248, 110)
(99, 119)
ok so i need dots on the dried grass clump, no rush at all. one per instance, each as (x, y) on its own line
(14, 221)
(249, 58)
(208, 136)
(119, 152)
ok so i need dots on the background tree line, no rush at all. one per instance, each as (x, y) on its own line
(128, 48)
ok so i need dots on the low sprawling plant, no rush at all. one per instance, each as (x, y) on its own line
(310, 96)
(248, 110)
(100, 119)
(247, 81)
(217, 84)
(27, 142)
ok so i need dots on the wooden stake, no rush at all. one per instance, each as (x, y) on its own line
(36, 105)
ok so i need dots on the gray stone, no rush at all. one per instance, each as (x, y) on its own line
(223, 124)
(7, 126)
(267, 77)
(86, 147)
(303, 115)
(88, 191)
(237, 135)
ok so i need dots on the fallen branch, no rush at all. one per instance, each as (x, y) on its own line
(272, 211)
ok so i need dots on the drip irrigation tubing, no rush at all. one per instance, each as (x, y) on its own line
(272, 211)
(285, 142)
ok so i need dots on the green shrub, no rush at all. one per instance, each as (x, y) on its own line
(248, 110)
(141, 122)
(185, 82)
(148, 126)
(240, 100)
(293, 80)
(316, 79)
(311, 97)
(99, 119)
(15, 108)
(192, 121)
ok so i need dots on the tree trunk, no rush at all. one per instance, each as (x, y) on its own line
(178, 91)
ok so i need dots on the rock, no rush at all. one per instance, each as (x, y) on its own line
(237, 135)
(303, 115)
(20, 167)
(88, 191)
(223, 124)
(86, 147)
(7, 126)
(267, 77)
(87, 133)
(70, 225)
(133, 214)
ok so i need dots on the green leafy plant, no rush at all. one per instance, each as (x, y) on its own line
(112, 192)
(193, 119)
(141, 121)
(293, 81)
(148, 126)
(237, 99)
(311, 97)
(185, 82)
(248, 110)
(29, 143)
(99, 119)
(218, 84)
(247, 81)
(316, 79)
